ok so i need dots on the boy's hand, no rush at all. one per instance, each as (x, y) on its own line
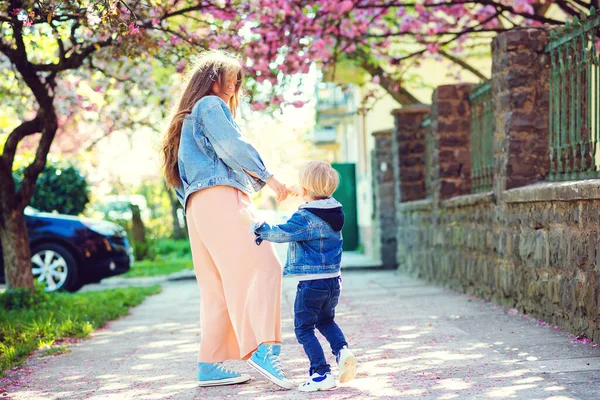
(295, 191)
(247, 217)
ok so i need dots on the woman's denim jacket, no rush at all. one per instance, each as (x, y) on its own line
(314, 234)
(212, 151)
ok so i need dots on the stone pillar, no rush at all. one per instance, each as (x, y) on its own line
(450, 149)
(408, 152)
(521, 71)
(385, 204)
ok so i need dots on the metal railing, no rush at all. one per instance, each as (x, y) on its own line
(482, 138)
(574, 119)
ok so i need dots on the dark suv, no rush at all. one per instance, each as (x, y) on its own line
(67, 252)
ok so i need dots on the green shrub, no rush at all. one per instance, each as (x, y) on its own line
(60, 187)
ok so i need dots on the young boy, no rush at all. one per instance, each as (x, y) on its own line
(314, 256)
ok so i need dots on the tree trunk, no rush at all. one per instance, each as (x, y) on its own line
(15, 249)
(140, 244)
(138, 228)
(13, 231)
(179, 232)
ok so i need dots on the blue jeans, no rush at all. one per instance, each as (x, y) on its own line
(315, 308)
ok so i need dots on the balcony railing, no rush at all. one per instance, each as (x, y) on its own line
(332, 97)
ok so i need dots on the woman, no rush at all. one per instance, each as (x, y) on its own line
(213, 170)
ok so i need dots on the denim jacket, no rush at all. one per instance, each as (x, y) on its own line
(314, 234)
(212, 151)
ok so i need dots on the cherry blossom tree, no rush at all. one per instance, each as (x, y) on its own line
(48, 49)
(55, 54)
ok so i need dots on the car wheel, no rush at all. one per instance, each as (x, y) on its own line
(54, 266)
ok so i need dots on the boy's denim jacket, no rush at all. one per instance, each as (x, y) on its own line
(314, 234)
(212, 151)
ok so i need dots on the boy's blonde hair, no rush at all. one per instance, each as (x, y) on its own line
(319, 179)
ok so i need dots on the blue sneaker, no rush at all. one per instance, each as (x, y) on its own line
(266, 361)
(217, 375)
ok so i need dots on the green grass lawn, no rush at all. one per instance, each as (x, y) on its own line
(32, 321)
(158, 267)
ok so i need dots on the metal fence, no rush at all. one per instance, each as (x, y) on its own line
(575, 99)
(482, 138)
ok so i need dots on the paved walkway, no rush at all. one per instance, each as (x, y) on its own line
(413, 340)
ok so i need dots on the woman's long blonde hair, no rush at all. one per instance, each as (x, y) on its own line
(211, 67)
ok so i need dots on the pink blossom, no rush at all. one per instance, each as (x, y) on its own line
(433, 48)
(133, 29)
(27, 23)
(345, 6)
(175, 40)
(523, 6)
(180, 66)
(258, 106)
(376, 80)
(318, 45)
(298, 103)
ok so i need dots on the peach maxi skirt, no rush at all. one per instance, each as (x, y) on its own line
(240, 282)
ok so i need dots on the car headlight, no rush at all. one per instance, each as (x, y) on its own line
(103, 228)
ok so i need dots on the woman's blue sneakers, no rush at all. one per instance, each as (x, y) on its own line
(266, 361)
(217, 375)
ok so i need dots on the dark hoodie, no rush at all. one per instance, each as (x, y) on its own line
(333, 216)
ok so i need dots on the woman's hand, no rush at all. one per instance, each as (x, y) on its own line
(278, 188)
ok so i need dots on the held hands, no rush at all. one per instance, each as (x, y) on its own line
(278, 188)
(295, 191)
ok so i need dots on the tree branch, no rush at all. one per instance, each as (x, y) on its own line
(401, 95)
(34, 169)
(493, 3)
(25, 129)
(76, 59)
(463, 64)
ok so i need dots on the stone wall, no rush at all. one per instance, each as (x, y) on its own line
(450, 130)
(520, 84)
(384, 197)
(528, 244)
(537, 251)
(408, 152)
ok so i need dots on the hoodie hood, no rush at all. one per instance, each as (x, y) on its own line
(329, 210)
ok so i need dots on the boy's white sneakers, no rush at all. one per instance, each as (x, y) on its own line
(318, 382)
(346, 364)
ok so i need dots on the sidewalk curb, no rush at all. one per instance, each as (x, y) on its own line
(185, 275)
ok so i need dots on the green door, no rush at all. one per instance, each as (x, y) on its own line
(346, 194)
